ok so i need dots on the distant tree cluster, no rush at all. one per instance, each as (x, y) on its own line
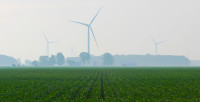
(72, 62)
(57, 59)
(85, 58)
(107, 59)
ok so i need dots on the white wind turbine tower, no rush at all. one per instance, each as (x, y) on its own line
(48, 42)
(156, 45)
(89, 29)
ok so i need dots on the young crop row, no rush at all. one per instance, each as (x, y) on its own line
(156, 85)
(60, 84)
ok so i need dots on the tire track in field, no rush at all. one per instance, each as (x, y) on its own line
(113, 88)
(102, 90)
(91, 87)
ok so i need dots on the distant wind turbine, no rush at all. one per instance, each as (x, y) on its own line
(89, 29)
(156, 45)
(48, 42)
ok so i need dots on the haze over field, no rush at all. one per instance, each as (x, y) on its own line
(122, 27)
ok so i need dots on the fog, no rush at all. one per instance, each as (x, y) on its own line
(122, 27)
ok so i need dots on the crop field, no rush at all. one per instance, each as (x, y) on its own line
(99, 84)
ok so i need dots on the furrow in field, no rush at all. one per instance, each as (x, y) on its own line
(64, 88)
(75, 93)
(58, 80)
(130, 89)
(102, 88)
(91, 87)
(113, 88)
(117, 83)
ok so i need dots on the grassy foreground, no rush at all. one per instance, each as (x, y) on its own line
(99, 84)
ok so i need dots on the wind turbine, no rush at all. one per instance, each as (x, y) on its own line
(48, 42)
(156, 45)
(89, 29)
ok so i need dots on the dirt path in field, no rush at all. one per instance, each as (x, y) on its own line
(102, 90)
(113, 88)
(91, 87)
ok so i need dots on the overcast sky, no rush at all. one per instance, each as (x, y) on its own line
(122, 27)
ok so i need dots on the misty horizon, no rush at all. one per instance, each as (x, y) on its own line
(120, 28)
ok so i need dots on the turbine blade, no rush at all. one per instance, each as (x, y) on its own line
(152, 39)
(79, 23)
(94, 37)
(45, 37)
(95, 16)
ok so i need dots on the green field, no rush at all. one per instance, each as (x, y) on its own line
(99, 84)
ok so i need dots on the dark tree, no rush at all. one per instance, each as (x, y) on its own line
(60, 58)
(28, 63)
(85, 57)
(44, 60)
(52, 60)
(71, 62)
(34, 63)
(107, 59)
(13, 65)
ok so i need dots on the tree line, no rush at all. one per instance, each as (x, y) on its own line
(59, 60)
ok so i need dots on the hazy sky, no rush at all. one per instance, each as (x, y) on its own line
(122, 27)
